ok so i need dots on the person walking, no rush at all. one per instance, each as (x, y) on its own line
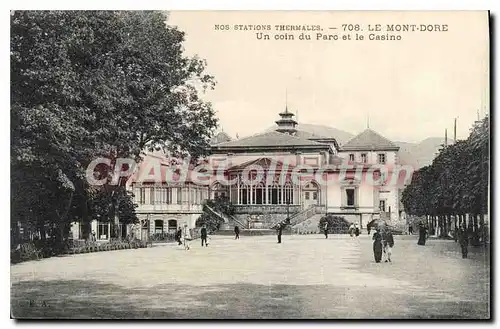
(351, 230)
(279, 231)
(422, 232)
(388, 244)
(203, 234)
(464, 241)
(377, 245)
(356, 230)
(326, 230)
(236, 232)
(178, 236)
(410, 229)
(186, 237)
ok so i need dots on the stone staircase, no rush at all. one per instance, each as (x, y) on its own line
(310, 225)
(306, 214)
(229, 221)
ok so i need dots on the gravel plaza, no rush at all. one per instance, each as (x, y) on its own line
(305, 277)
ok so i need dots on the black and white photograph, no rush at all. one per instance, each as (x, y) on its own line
(250, 165)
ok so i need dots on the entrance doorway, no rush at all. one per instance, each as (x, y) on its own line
(310, 194)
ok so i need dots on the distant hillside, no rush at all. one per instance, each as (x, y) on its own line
(421, 154)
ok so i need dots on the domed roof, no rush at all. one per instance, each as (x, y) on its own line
(221, 137)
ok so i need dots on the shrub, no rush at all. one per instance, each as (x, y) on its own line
(336, 224)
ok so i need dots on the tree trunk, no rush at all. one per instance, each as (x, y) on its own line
(442, 229)
(115, 223)
(455, 227)
(475, 240)
(85, 221)
(41, 228)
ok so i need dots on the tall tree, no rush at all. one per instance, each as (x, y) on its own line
(87, 84)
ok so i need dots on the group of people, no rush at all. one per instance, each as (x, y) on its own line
(183, 236)
(354, 230)
(383, 242)
(462, 235)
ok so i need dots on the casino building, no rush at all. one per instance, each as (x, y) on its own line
(269, 176)
(287, 172)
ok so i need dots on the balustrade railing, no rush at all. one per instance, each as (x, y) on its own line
(266, 209)
(306, 214)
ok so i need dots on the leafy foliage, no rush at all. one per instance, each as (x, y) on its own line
(88, 84)
(336, 224)
(222, 205)
(457, 181)
(211, 222)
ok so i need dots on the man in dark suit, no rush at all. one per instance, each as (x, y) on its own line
(203, 234)
(178, 236)
(279, 231)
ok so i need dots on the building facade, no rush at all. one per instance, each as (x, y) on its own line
(268, 177)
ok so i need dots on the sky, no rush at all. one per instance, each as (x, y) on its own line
(410, 89)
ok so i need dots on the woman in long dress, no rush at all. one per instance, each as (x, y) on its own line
(377, 245)
(186, 237)
(422, 235)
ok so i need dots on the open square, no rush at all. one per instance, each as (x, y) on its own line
(307, 277)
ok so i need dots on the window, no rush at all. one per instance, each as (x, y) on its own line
(382, 205)
(364, 158)
(162, 195)
(275, 194)
(172, 225)
(140, 195)
(260, 194)
(102, 231)
(151, 195)
(351, 157)
(381, 158)
(315, 195)
(307, 195)
(179, 195)
(350, 197)
(158, 226)
(288, 197)
(244, 194)
(192, 196)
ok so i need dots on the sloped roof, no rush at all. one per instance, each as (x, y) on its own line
(269, 139)
(369, 140)
(312, 131)
(221, 137)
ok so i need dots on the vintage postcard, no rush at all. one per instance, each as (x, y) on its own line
(250, 165)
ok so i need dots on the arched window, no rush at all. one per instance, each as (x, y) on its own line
(219, 191)
(244, 194)
(274, 194)
(260, 194)
(288, 193)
